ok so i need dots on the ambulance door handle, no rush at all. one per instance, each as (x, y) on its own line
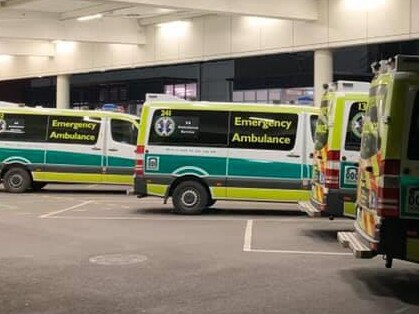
(356, 164)
(96, 148)
(293, 155)
(343, 158)
(319, 157)
(311, 155)
(406, 171)
(113, 150)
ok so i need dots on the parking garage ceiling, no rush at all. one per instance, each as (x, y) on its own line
(31, 27)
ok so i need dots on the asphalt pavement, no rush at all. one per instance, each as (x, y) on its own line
(89, 249)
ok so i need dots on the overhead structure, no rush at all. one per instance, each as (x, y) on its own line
(30, 27)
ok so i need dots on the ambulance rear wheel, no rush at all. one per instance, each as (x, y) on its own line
(190, 198)
(17, 180)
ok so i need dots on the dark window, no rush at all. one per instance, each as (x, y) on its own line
(313, 121)
(124, 132)
(22, 127)
(371, 139)
(192, 128)
(73, 130)
(256, 130)
(413, 147)
(354, 128)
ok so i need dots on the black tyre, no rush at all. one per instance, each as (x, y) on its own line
(190, 198)
(38, 186)
(211, 202)
(17, 180)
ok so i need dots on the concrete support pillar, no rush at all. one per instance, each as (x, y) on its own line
(63, 92)
(323, 72)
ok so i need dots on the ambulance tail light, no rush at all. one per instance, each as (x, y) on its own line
(388, 189)
(139, 164)
(332, 169)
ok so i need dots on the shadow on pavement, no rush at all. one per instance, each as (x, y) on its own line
(398, 284)
(325, 235)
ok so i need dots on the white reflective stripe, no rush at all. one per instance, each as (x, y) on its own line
(388, 201)
(388, 206)
(333, 165)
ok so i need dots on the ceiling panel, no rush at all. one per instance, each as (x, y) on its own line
(54, 6)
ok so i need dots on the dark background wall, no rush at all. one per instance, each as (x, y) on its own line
(216, 79)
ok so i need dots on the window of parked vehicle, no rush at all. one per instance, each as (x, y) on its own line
(124, 132)
(354, 127)
(189, 127)
(73, 130)
(258, 130)
(22, 127)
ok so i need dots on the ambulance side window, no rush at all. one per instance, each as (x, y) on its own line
(124, 132)
(189, 128)
(354, 127)
(413, 147)
(73, 130)
(23, 127)
(261, 130)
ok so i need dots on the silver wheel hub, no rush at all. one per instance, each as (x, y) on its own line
(190, 198)
(16, 181)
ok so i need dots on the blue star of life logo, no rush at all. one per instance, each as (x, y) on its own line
(164, 126)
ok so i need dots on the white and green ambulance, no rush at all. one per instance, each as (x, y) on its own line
(40, 146)
(200, 152)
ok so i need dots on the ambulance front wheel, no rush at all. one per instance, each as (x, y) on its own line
(190, 198)
(17, 180)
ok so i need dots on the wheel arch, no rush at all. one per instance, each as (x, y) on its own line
(184, 178)
(7, 166)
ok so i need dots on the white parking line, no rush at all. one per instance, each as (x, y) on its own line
(48, 215)
(301, 252)
(247, 246)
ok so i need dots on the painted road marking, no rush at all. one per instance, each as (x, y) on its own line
(247, 246)
(301, 252)
(185, 218)
(48, 215)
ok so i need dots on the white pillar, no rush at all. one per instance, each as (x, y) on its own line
(323, 72)
(63, 92)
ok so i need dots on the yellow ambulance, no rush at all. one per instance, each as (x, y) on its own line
(337, 144)
(387, 221)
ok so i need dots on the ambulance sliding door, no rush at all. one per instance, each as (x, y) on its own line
(265, 156)
(75, 149)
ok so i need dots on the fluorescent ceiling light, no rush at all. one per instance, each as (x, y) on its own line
(363, 5)
(89, 17)
(5, 57)
(260, 21)
(175, 28)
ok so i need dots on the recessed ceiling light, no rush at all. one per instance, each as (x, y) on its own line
(89, 17)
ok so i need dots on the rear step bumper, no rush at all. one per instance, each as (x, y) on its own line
(353, 241)
(308, 208)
